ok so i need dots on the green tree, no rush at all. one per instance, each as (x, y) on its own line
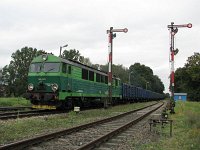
(1, 84)
(138, 75)
(181, 80)
(167, 95)
(142, 76)
(187, 79)
(74, 54)
(15, 74)
(85, 61)
(71, 54)
(118, 70)
(158, 86)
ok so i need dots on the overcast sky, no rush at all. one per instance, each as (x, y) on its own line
(82, 24)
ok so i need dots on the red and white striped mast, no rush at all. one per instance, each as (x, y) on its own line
(173, 30)
(111, 36)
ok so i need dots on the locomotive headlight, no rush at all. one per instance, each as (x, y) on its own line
(54, 87)
(44, 57)
(30, 87)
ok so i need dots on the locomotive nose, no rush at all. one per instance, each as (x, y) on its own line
(41, 85)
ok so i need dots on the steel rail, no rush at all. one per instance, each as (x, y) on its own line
(22, 114)
(109, 135)
(19, 112)
(14, 108)
(38, 139)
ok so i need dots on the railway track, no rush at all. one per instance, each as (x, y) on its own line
(133, 136)
(22, 114)
(14, 108)
(88, 136)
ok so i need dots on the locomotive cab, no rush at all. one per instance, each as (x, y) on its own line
(44, 81)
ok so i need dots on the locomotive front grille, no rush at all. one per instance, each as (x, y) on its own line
(41, 86)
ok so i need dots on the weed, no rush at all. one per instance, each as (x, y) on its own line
(186, 129)
(14, 101)
(13, 130)
(192, 119)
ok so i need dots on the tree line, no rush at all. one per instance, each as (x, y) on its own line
(13, 77)
(187, 78)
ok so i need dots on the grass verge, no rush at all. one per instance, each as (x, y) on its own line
(14, 101)
(186, 130)
(14, 130)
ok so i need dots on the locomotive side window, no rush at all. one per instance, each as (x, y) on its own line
(106, 79)
(51, 67)
(91, 76)
(98, 79)
(119, 82)
(35, 67)
(102, 79)
(116, 82)
(85, 74)
(64, 68)
(69, 69)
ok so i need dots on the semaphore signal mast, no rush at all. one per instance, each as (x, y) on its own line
(111, 35)
(173, 30)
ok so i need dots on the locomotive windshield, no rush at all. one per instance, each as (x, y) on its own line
(35, 67)
(51, 67)
(44, 67)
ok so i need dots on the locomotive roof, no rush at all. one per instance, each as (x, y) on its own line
(53, 58)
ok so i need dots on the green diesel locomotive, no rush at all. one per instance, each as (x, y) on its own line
(54, 82)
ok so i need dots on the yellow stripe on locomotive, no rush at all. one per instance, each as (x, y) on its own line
(43, 107)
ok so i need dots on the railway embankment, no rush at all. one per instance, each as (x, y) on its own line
(185, 133)
(19, 129)
(185, 127)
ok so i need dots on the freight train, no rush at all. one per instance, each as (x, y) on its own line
(54, 82)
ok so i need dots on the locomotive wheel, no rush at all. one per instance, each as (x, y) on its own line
(69, 104)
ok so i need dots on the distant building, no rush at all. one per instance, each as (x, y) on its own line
(180, 96)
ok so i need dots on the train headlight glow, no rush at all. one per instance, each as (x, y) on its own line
(54, 87)
(30, 87)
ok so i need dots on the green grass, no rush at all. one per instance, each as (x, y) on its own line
(186, 130)
(12, 101)
(13, 130)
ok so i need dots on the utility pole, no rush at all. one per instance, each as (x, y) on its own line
(111, 36)
(147, 84)
(173, 30)
(129, 79)
(61, 49)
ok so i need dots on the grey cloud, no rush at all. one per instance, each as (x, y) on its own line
(82, 25)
